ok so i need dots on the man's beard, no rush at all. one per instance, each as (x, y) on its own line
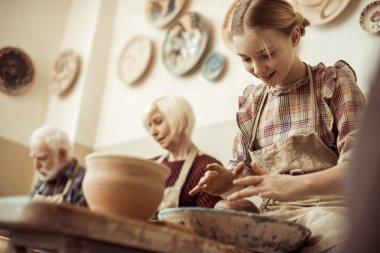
(48, 175)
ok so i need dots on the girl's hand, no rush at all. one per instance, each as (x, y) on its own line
(217, 179)
(276, 186)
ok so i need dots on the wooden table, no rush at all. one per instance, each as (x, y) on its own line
(64, 228)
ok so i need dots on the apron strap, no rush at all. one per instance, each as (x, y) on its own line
(264, 97)
(312, 94)
(258, 113)
(186, 167)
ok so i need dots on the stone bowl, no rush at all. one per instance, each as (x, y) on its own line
(124, 186)
(254, 232)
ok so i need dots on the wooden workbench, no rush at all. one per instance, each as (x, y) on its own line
(64, 228)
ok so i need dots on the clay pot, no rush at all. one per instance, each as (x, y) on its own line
(3, 244)
(125, 186)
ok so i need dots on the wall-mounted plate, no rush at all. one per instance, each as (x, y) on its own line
(320, 12)
(135, 59)
(185, 43)
(226, 27)
(370, 17)
(161, 12)
(213, 66)
(65, 71)
(16, 71)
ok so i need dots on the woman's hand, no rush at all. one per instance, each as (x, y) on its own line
(276, 186)
(217, 179)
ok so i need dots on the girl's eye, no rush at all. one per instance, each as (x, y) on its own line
(245, 59)
(269, 55)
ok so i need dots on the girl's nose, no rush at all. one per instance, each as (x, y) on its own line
(259, 69)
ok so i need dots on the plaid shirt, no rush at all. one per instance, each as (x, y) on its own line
(287, 111)
(74, 195)
(196, 172)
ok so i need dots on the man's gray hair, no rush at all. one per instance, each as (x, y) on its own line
(54, 138)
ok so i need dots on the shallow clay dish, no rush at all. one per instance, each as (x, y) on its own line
(247, 230)
(370, 17)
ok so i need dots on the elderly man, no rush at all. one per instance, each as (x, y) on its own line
(60, 175)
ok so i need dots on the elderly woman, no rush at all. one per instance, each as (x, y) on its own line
(170, 120)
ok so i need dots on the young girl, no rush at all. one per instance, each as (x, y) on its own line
(296, 128)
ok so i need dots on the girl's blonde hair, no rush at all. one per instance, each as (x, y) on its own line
(178, 112)
(266, 14)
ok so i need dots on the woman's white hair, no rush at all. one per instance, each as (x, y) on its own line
(178, 112)
(54, 138)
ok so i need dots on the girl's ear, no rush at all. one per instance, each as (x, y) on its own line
(295, 36)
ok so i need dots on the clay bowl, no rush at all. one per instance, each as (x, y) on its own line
(124, 186)
(254, 232)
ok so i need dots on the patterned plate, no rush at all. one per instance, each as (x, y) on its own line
(320, 12)
(213, 66)
(370, 17)
(161, 12)
(226, 28)
(185, 43)
(247, 230)
(65, 71)
(135, 59)
(16, 71)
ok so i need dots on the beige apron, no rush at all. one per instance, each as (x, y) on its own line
(172, 193)
(300, 154)
(57, 198)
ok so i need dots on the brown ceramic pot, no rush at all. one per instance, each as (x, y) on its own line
(124, 185)
(3, 244)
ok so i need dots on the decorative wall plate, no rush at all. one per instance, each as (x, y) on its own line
(185, 43)
(319, 12)
(213, 66)
(226, 28)
(254, 232)
(135, 59)
(161, 12)
(65, 71)
(16, 71)
(370, 17)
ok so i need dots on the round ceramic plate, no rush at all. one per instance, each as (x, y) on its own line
(226, 27)
(319, 12)
(213, 66)
(65, 71)
(254, 232)
(370, 17)
(161, 12)
(16, 71)
(185, 43)
(135, 59)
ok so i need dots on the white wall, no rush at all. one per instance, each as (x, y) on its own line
(81, 35)
(37, 28)
(215, 103)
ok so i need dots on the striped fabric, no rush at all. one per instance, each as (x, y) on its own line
(197, 171)
(288, 111)
(75, 194)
